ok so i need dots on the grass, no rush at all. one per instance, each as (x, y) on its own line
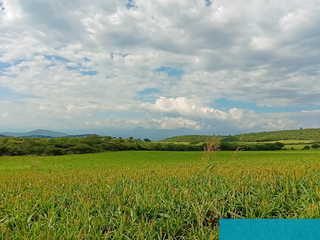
(98, 161)
(288, 142)
(152, 195)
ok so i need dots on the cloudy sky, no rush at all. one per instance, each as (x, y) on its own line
(223, 67)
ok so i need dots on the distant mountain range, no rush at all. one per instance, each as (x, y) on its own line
(138, 132)
(39, 133)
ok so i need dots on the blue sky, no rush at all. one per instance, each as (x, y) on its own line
(167, 67)
(225, 104)
(170, 71)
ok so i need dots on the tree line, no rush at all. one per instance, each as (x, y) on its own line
(15, 146)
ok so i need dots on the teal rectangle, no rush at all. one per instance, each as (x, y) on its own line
(266, 229)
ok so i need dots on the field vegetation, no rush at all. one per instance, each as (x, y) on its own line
(10, 146)
(285, 135)
(188, 138)
(18, 146)
(301, 134)
(152, 195)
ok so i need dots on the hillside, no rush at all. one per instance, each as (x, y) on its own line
(36, 133)
(300, 134)
(187, 138)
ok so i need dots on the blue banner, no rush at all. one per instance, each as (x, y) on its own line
(266, 229)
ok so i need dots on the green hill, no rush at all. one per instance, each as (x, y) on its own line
(300, 134)
(187, 138)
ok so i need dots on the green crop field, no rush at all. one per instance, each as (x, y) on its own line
(152, 195)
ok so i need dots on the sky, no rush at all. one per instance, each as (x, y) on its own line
(161, 67)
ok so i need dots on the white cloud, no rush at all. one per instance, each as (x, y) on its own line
(171, 123)
(191, 108)
(264, 53)
(159, 123)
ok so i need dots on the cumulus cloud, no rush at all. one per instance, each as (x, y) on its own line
(189, 107)
(159, 123)
(234, 118)
(72, 60)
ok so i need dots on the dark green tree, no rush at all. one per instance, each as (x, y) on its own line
(315, 146)
(307, 147)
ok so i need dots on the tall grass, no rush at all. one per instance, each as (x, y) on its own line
(163, 202)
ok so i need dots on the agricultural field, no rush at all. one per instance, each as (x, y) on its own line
(288, 142)
(152, 195)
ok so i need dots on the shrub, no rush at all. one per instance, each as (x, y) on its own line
(229, 146)
(306, 147)
(194, 142)
(4, 151)
(81, 148)
(52, 151)
(109, 146)
(279, 144)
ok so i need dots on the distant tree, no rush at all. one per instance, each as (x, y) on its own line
(147, 140)
(110, 146)
(194, 142)
(81, 148)
(4, 151)
(51, 150)
(306, 147)
(315, 146)
(92, 139)
(170, 147)
(279, 144)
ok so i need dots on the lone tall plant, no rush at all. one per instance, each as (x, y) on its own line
(239, 149)
(209, 152)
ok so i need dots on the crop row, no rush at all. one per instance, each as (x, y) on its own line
(162, 203)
